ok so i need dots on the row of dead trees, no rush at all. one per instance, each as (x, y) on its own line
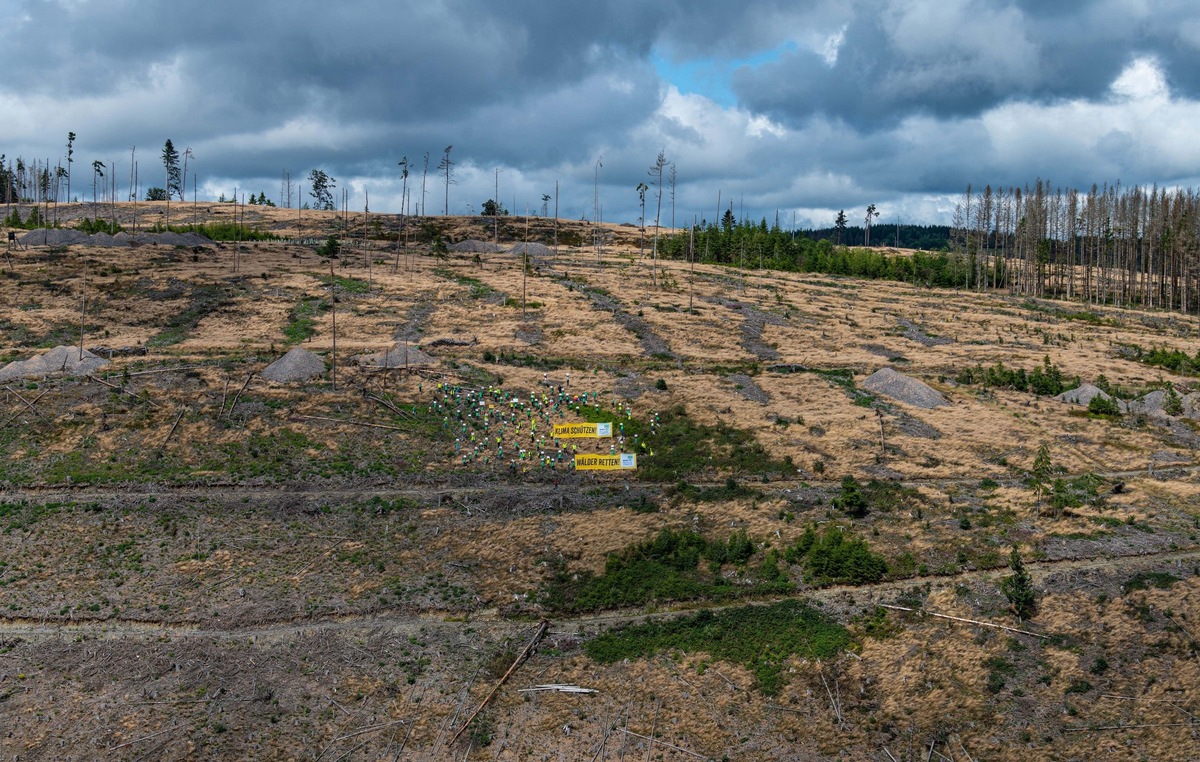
(1109, 245)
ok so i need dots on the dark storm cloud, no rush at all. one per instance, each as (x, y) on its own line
(247, 67)
(840, 102)
(961, 57)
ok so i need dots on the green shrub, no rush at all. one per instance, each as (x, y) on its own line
(1104, 407)
(1046, 380)
(761, 638)
(1172, 359)
(1172, 402)
(330, 248)
(1147, 580)
(730, 490)
(834, 557)
(666, 567)
(219, 231)
(679, 447)
(98, 226)
(851, 500)
(302, 322)
(1018, 588)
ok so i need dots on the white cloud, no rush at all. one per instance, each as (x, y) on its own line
(831, 45)
(1142, 80)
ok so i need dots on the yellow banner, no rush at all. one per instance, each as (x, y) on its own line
(582, 430)
(605, 462)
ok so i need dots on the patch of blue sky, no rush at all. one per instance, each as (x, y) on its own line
(711, 76)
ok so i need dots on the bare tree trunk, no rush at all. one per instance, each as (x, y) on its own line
(333, 318)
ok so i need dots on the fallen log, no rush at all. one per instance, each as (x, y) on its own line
(521, 657)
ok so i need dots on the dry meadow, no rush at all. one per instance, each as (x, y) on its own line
(199, 563)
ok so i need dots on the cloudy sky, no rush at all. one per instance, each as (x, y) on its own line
(800, 107)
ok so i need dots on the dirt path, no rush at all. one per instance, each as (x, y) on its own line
(234, 491)
(285, 631)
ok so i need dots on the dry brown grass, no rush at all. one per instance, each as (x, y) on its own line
(204, 596)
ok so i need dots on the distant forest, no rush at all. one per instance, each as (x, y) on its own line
(927, 237)
(1109, 245)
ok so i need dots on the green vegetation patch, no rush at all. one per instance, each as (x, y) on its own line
(730, 490)
(203, 301)
(55, 334)
(23, 514)
(761, 638)
(1175, 360)
(1082, 316)
(278, 456)
(219, 231)
(677, 447)
(302, 322)
(663, 569)
(346, 285)
(1072, 493)
(834, 556)
(1147, 580)
(1045, 381)
(886, 497)
(479, 289)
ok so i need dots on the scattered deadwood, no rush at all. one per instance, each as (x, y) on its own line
(355, 734)
(174, 426)
(26, 402)
(1131, 727)
(17, 414)
(300, 574)
(521, 657)
(556, 687)
(390, 406)
(653, 728)
(660, 742)
(346, 421)
(233, 404)
(164, 370)
(144, 738)
(124, 391)
(835, 701)
(968, 621)
(1182, 629)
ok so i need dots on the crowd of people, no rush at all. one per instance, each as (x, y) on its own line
(499, 428)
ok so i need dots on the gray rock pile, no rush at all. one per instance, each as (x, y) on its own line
(536, 250)
(69, 237)
(916, 333)
(399, 356)
(472, 245)
(297, 365)
(1152, 405)
(745, 386)
(60, 361)
(1085, 393)
(889, 383)
(1191, 405)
